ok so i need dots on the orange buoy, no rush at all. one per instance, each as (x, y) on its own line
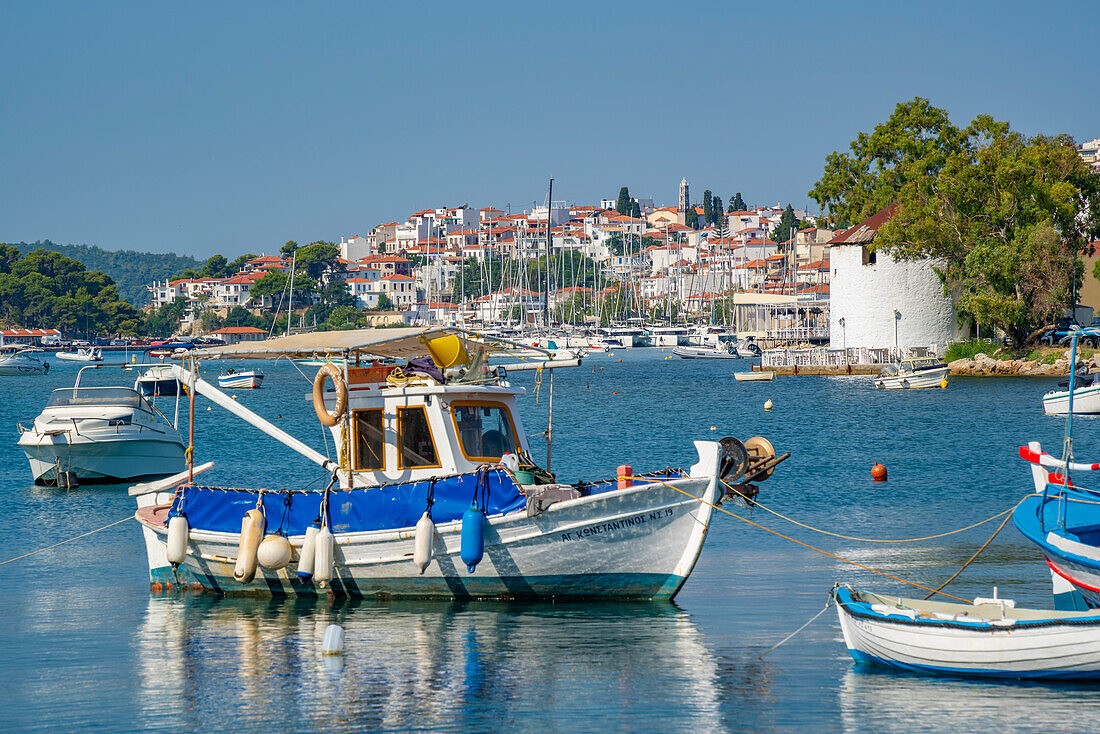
(878, 472)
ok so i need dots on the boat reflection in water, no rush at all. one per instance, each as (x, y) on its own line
(211, 662)
(876, 699)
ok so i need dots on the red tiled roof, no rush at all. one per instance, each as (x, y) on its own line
(239, 330)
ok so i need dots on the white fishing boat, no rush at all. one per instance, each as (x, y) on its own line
(82, 355)
(914, 372)
(989, 638)
(21, 359)
(101, 434)
(723, 351)
(755, 376)
(434, 492)
(159, 380)
(1086, 397)
(243, 379)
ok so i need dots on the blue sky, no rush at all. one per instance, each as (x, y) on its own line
(201, 128)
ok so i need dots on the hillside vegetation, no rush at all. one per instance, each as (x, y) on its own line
(131, 271)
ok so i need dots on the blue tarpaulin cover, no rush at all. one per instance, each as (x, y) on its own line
(387, 507)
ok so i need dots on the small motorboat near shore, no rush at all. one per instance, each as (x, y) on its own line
(82, 355)
(101, 434)
(914, 372)
(20, 359)
(246, 379)
(991, 638)
(726, 350)
(1086, 396)
(434, 492)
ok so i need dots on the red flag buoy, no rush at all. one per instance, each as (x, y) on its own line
(878, 472)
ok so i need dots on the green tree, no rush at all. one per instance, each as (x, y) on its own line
(238, 263)
(1001, 215)
(716, 211)
(623, 205)
(289, 248)
(708, 211)
(216, 266)
(737, 204)
(787, 227)
(384, 303)
(635, 209)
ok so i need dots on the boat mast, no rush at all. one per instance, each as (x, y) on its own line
(290, 308)
(546, 295)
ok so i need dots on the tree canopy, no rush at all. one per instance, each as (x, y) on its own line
(787, 227)
(44, 289)
(1002, 215)
(623, 203)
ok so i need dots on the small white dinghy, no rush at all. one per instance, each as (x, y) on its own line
(763, 375)
(989, 638)
(81, 355)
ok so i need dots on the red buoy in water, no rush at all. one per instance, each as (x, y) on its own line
(878, 472)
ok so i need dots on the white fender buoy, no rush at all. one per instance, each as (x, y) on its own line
(274, 552)
(309, 552)
(322, 564)
(422, 545)
(252, 532)
(178, 530)
(768, 404)
(333, 642)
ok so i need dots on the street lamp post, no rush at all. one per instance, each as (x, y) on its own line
(897, 320)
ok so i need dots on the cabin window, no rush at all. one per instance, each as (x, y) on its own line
(415, 439)
(369, 437)
(485, 430)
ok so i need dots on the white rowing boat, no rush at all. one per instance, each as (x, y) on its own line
(989, 638)
(761, 376)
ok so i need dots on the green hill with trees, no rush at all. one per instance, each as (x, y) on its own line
(131, 271)
(46, 290)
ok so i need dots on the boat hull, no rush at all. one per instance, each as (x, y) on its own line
(761, 376)
(1086, 401)
(244, 381)
(703, 353)
(101, 459)
(1046, 649)
(913, 380)
(634, 543)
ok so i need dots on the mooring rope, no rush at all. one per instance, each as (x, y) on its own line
(807, 545)
(824, 609)
(969, 560)
(756, 503)
(63, 542)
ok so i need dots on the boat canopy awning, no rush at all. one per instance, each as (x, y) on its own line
(402, 343)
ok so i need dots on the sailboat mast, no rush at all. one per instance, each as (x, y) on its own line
(546, 295)
(290, 308)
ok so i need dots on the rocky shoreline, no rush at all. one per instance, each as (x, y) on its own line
(983, 364)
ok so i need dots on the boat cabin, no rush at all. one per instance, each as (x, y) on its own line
(423, 429)
(917, 364)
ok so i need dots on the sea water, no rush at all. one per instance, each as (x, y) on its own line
(84, 644)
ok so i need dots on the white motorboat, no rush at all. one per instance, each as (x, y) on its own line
(748, 348)
(416, 443)
(244, 379)
(21, 359)
(755, 376)
(82, 355)
(159, 380)
(989, 638)
(724, 351)
(914, 372)
(101, 434)
(1086, 397)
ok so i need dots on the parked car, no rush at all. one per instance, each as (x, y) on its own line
(1061, 332)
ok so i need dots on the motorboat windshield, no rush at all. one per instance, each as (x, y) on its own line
(98, 396)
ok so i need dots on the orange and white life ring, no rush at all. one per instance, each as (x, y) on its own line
(329, 370)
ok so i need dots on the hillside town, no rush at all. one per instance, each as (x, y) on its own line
(667, 265)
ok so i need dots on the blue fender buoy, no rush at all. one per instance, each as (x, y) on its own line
(473, 537)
